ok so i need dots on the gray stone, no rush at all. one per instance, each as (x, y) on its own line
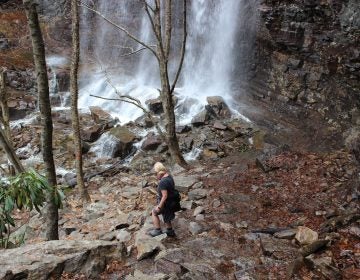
(286, 234)
(200, 217)
(70, 179)
(325, 266)
(305, 235)
(138, 275)
(167, 267)
(219, 106)
(201, 118)
(195, 228)
(218, 125)
(198, 210)
(97, 206)
(277, 248)
(91, 134)
(184, 183)
(50, 259)
(99, 115)
(109, 236)
(130, 192)
(187, 204)
(123, 235)
(155, 105)
(124, 141)
(145, 244)
(93, 216)
(151, 143)
(242, 224)
(216, 203)
(355, 231)
(198, 185)
(197, 194)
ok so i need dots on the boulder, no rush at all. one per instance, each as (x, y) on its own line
(125, 139)
(306, 236)
(195, 228)
(138, 275)
(155, 105)
(325, 267)
(286, 234)
(92, 133)
(50, 259)
(123, 235)
(70, 179)
(130, 192)
(99, 115)
(187, 205)
(151, 143)
(219, 106)
(277, 248)
(198, 210)
(182, 129)
(146, 245)
(197, 194)
(184, 183)
(220, 126)
(201, 118)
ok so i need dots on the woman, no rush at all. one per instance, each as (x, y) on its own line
(166, 192)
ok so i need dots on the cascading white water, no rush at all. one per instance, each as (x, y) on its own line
(209, 62)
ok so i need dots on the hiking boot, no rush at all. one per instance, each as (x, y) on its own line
(170, 232)
(155, 232)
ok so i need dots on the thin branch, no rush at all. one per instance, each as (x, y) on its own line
(120, 98)
(119, 27)
(151, 19)
(149, 6)
(108, 80)
(133, 52)
(183, 47)
(128, 99)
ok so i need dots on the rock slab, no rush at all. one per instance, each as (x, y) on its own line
(50, 259)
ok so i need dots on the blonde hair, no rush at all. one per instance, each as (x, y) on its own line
(159, 168)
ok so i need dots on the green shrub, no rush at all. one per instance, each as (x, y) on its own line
(26, 190)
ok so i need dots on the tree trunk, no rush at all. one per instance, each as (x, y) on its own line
(74, 100)
(4, 107)
(168, 103)
(9, 150)
(5, 119)
(166, 93)
(51, 210)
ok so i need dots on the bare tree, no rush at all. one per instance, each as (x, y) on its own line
(160, 18)
(6, 133)
(74, 100)
(51, 211)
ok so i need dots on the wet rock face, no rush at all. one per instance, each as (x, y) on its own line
(308, 55)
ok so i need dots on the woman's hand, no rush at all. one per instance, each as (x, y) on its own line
(158, 209)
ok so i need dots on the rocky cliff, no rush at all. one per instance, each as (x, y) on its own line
(308, 56)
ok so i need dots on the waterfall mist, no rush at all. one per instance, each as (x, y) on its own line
(213, 61)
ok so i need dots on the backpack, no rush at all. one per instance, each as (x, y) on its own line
(175, 203)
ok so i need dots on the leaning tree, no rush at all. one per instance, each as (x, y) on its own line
(51, 209)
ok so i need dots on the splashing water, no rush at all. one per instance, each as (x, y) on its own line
(209, 62)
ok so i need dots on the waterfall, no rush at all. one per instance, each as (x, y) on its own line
(211, 60)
